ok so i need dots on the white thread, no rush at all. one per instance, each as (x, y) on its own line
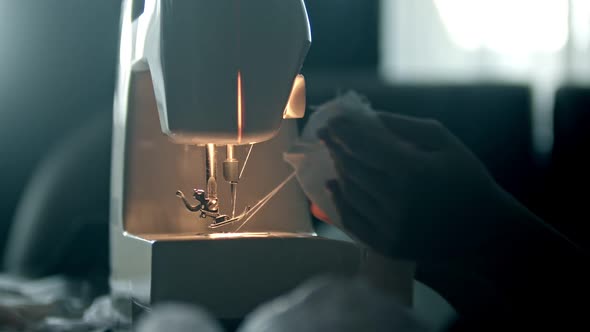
(264, 200)
(246, 161)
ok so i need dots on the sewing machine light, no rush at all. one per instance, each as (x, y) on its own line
(296, 105)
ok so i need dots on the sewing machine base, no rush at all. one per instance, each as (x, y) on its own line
(227, 273)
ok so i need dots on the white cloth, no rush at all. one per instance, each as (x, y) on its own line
(175, 317)
(311, 159)
(327, 304)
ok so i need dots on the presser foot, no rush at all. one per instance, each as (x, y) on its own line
(208, 210)
(222, 223)
(230, 220)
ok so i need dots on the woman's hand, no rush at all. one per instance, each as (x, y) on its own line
(408, 188)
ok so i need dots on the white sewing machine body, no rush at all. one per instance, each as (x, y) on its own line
(211, 72)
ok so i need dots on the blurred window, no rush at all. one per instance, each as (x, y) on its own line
(506, 26)
(543, 43)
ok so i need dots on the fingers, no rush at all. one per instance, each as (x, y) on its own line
(423, 133)
(366, 138)
(373, 182)
(355, 224)
(352, 221)
(363, 202)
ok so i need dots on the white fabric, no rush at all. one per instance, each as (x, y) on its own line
(327, 304)
(311, 159)
(173, 317)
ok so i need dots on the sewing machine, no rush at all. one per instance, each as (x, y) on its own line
(203, 207)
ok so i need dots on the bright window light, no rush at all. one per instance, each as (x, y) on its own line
(506, 26)
(580, 18)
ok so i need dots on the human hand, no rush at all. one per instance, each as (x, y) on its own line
(408, 188)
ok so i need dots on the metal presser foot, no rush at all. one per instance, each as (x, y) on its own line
(208, 203)
(209, 209)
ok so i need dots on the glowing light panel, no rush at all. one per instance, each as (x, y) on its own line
(506, 26)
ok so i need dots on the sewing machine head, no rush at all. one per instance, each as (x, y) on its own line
(223, 73)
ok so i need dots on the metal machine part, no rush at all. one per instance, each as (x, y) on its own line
(209, 205)
(211, 176)
(204, 206)
(231, 174)
(245, 69)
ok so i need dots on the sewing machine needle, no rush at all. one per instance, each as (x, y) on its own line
(234, 196)
(231, 169)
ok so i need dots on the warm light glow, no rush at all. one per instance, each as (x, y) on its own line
(214, 236)
(240, 108)
(506, 26)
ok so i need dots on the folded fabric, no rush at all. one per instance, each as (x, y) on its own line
(310, 157)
